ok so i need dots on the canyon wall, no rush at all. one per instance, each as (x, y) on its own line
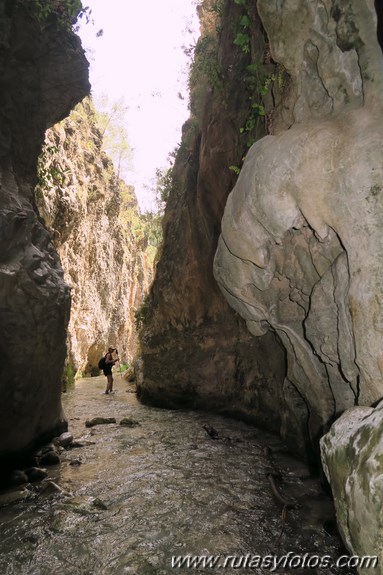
(299, 254)
(197, 352)
(99, 234)
(44, 73)
(301, 235)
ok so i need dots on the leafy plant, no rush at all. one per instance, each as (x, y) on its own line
(65, 12)
(217, 7)
(235, 169)
(110, 119)
(68, 377)
(48, 173)
(205, 63)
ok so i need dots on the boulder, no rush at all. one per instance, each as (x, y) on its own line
(352, 457)
(299, 253)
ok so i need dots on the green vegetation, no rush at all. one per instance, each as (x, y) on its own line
(217, 7)
(122, 366)
(48, 174)
(263, 77)
(68, 377)
(87, 130)
(65, 12)
(110, 119)
(205, 63)
(235, 169)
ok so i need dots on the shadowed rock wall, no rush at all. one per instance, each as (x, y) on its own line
(43, 73)
(196, 351)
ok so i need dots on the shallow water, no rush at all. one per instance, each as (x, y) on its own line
(133, 497)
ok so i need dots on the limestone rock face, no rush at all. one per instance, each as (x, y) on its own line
(301, 244)
(352, 461)
(91, 214)
(43, 73)
(196, 351)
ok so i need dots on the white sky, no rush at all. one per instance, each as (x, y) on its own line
(139, 58)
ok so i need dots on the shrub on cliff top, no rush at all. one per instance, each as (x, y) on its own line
(65, 12)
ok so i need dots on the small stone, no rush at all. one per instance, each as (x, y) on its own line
(36, 473)
(99, 421)
(99, 504)
(50, 458)
(65, 439)
(49, 487)
(129, 422)
(32, 538)
(75, 462)
(18, 477)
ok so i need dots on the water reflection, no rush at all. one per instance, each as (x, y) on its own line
(135, 496)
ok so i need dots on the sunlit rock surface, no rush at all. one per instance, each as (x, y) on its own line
(353, 462)
(92, 216)
(43, 74)
(301, 244)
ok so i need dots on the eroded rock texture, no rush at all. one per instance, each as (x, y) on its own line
(353, 463)
(301, 245)
(94, 220)
(43, 73)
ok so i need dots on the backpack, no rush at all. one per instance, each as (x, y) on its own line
(101, 363)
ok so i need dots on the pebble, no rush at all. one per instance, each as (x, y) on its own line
(129, 422)
(36, 473)
(99, 421)
(18, 477)
(65, 439)
(48, 487)
(50, 458)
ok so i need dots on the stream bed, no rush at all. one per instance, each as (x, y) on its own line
(141, 498)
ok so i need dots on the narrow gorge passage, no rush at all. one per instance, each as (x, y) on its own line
(133, 497)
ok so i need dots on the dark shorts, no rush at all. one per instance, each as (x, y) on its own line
(107, 370)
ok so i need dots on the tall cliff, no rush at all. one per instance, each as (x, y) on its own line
(301, 236)
(100, 236)
(299, 254)
(43, 74)
(196, 350)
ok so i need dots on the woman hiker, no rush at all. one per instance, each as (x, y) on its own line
(107, 369)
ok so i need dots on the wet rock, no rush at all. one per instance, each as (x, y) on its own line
(45, 449)
(50, 458)
(78, 444)
(36, 473)
(18, 477)
(32, 538)
(99, 421)
(49, 487)
(10, 497)
(99, 504)
(213, 433)
(128, 422)
(65, 439)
